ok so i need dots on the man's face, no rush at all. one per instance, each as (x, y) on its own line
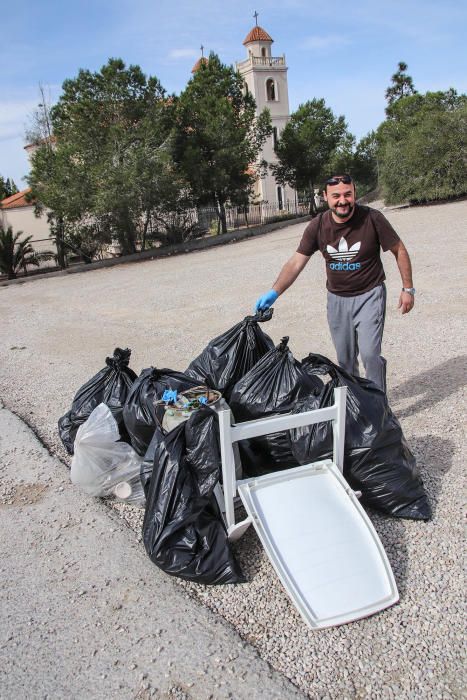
(341, 200)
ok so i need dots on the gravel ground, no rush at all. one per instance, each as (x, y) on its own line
(55, 333)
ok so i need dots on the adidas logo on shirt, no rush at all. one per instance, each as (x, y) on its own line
(343, 254)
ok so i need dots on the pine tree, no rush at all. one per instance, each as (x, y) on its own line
(422, 146)
(217, 136)
(306, 146)
(7, 187)
(402, 85)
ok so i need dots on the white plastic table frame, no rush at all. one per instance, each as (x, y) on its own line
(231, 433)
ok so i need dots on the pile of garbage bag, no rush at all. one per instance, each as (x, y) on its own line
(273, 386)
(143, 410)
(377, 458)
(109, 386)
(173, 465)
(227, 358)
(183, 531)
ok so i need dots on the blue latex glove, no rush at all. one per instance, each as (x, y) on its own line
(266, 301)
(169, 396)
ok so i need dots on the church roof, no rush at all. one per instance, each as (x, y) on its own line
(198, 64)
(257, 34)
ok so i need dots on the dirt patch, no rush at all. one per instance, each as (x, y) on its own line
(23, 495)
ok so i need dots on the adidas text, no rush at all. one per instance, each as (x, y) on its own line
(344, 266)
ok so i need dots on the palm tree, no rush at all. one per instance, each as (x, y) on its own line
(16, 254)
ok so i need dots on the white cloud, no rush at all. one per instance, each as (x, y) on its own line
(183, 53)
(320, 43)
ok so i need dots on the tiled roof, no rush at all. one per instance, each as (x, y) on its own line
(16, 200)
(198, 63)
(257, 34)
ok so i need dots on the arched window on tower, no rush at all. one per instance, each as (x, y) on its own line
(274, 136)
(263, 51)
(270, 90)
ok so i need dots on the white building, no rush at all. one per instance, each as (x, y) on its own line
(17, 211)
(266, 78)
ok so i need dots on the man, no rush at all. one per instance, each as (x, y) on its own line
(350, 237)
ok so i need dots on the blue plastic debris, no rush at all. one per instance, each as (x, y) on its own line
(203, 400)
(169, 395)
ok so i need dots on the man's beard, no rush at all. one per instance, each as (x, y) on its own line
(338, 210)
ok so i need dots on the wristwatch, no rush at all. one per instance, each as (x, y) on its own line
(409, 290)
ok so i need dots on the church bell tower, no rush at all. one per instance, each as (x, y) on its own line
(266, 78)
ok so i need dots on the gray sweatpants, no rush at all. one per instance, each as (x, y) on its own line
(356, 325)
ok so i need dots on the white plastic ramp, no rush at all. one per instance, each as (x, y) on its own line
(321, 543)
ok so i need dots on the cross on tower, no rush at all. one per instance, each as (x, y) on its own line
(256, 17)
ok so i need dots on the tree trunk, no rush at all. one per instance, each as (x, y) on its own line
(312, 210)
(145, 230)
(222, 216)
(126, 232)
(127, 242)
(59, 242)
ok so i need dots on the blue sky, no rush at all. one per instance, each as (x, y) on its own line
(344, 52)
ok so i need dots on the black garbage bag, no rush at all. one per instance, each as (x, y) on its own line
(377, 461)
(227, 358)
(110, 386)
(202, 448)
(140, 413)
(183, 532)
(148, 463)
(274, 385)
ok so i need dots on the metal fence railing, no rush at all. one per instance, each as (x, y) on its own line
(204, 219)
(43, 245)
(254, 214)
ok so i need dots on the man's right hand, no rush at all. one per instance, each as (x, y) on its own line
(266, 301)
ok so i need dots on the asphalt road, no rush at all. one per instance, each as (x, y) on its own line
(84, 612)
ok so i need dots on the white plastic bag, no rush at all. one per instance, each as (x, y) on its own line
(101, 465)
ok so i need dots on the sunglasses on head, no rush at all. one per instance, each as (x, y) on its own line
(345, 179)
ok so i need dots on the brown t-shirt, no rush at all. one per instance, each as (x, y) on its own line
(351, 249)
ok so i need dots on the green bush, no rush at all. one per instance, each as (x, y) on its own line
(422, 148)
